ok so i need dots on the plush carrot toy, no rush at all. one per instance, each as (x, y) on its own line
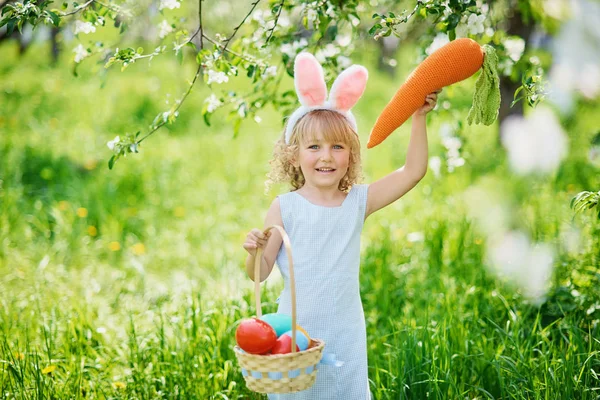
(451, 63)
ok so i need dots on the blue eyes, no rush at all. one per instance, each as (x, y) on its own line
(335, 147)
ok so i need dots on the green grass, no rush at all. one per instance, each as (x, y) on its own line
(129, 283)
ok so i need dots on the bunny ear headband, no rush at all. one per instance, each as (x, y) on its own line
(312, 90)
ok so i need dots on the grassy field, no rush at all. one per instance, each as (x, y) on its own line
(128, 283)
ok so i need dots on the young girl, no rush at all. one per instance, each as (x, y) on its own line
(319, 154)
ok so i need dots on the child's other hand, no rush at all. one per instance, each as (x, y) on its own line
(256, 239)
(430, 102)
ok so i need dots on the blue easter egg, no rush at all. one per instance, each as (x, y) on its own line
(281, 323)
(302, 341)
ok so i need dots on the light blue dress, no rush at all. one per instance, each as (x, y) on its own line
(326, 250)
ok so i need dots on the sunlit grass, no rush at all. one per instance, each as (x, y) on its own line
(128, 283)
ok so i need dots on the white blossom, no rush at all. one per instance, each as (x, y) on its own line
(455, 162)
(435, 163)
(526, 265)
(217, 77)
(415, 237)
(343, 40)
(170, 4)
(111, 144)
(312, 15)
(294, 48)
(576, 58)
(329, 51)
(331, 12)
(80, 53)
(462, 30)
(534, 144)
(270, 71)
(213, 103)
(514, 47)
(475, 24)
(164, 28)
(344, 61)
(451, 143)
(84, 27)
(438, 41)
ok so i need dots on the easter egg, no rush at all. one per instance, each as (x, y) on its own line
(301, 329)
(255, 336)
(283, 345)
(280, 322)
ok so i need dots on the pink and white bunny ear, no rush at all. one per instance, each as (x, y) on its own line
(309, 80)
(348, 87)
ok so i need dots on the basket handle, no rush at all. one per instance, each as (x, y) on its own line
(257, 264)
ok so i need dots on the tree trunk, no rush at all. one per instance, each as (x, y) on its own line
(55, 50)
(516, 26)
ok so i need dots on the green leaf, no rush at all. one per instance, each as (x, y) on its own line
(374, 29)
(205, 114)
(515, 101)
(453, 20)
(112, 161)
(180, 57)
(236, 127)
(192, 45)
(55, 18)
(251, 70)
(518, 91)
(452, 34)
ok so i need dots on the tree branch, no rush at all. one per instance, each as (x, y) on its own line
(76, 10)
(157, 127)
(86, 5)
(241, 23)
(272, 30)
(233, 53)
(200, 22)
(199, 70)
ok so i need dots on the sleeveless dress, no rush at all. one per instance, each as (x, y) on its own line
(326, 250)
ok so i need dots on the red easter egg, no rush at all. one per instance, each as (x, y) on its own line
(283, 345)
(255, 336)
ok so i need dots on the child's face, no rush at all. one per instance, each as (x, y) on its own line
(323, 164)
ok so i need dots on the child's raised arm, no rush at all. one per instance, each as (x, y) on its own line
(270, 243)
(393, 186)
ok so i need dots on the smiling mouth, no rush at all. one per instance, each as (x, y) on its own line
(325, 170)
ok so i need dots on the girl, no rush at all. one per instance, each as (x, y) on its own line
(319, 154)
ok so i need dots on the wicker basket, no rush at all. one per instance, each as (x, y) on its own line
(280, 373)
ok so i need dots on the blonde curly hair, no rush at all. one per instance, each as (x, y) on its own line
(335, 129)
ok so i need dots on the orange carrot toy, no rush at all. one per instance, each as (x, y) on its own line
(452, 63)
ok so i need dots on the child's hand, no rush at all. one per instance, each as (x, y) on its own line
(256, 239)
(430, 102)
